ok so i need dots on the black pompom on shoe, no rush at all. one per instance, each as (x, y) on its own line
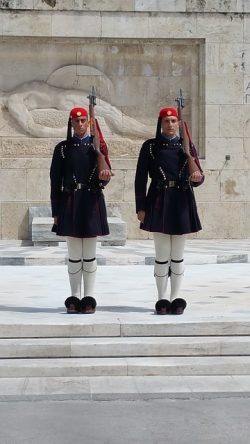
(88, 305)
(178, 306)
(73, 304)
(163, 307)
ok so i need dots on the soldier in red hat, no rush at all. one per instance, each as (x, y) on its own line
(168, 208)
(78, 206)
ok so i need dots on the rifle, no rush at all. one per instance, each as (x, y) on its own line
(187, 144)
(103, 162)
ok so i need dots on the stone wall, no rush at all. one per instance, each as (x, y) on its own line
(137, 54)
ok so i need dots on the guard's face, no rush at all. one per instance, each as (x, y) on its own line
(80, 126)
(170, 126)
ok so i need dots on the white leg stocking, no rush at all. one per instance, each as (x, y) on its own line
(162, 255)
(81, 264)
(89, 265)
(176, 264)
(75, 265)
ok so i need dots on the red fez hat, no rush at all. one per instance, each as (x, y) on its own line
(167, 112)
(78, 112)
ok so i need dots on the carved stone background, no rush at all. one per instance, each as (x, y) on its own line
(133, 80)
(138, 54)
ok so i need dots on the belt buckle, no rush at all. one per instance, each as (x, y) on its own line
(170, 184)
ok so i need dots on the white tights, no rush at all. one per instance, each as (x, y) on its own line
(169, 251)
(81, 264)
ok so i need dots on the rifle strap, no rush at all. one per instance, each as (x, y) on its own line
(103, 145)
(193, 151)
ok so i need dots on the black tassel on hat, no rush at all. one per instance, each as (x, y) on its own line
(158, 129)
(69, 131)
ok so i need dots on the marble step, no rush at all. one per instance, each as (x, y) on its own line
(124, 347)
(82, 326)
(123, 387)
(41, 233)
(139, 366)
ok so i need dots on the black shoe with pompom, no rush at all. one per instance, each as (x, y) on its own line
(178, 306)
(73, 304)
(163, 307)
(88, 305)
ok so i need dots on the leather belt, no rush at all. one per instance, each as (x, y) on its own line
(80, 186)
(170, 184)
(76, 187)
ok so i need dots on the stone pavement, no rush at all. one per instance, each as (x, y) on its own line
(141, 252)
(203, 353)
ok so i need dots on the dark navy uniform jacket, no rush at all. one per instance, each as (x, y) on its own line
(76, 192)
(169, 202)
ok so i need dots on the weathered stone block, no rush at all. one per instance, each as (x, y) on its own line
(86, 5)
(28, 147)
(220, 28)
(52, 55)
(172, 26)
(128, 214)
(124, 25)
(54, 5)
(160, 5)
(41, 232)
(212, 121)
(13, 185)
(24, 163)
(118, 232)
(129, 193)
(38, 212)
(114, 191)
(245, 6)
(16, 4)
(108, 5)
(247, 87)
(1, 23)
(226, 58)
(246, 149)
(233, 186)
(15, 220)
(26, 24)
(139, 88)
(213, 6)
(229, 126)
(247, 218)
(75, 24)
(246, 121)
(209, 191)
(218, 148)
(247, 28)
(218, 86)
(38, 185)
(124, 164)
(222, 220)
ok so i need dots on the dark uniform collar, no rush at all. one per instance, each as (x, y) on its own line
(166, 141)
(81, 139)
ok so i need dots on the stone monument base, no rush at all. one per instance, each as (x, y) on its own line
(41, 224)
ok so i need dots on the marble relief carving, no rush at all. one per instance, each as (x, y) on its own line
(132, 82)
(41, 80)
(36, 107)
